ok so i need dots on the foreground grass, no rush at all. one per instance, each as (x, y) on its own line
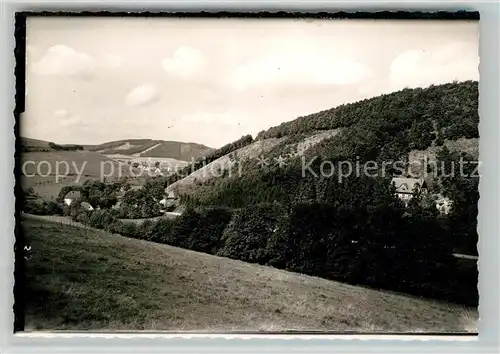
(88, 280)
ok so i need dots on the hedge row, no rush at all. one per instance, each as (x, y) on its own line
(408, 254)
(196, 230)
(42, 207)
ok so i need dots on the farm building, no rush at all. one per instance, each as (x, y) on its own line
(86, 206)
(71, 197)
(405, 187)
(170, 194)
(169, 200)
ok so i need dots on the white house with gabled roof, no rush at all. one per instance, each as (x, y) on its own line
(406, 187)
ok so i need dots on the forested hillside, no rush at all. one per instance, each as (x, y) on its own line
(323, 212)
(382, 129)
(451, 107)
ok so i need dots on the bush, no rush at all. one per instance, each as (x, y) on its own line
(100, 219)
(309, 229)
(69, 147)
(146, 230)
(207, 235)
(162, 231)
(130, 229)
(250, 234)
(83, 218)
(44, 207)
(116, 227)
(183, 227)
(377, 246)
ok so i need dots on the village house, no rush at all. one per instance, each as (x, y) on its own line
(169, 199)
(170, 195)
(406, 187)
(86, 206)
(71, 197)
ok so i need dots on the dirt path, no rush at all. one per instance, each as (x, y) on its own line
(139, 154)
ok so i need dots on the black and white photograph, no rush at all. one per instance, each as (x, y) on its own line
(232, 174)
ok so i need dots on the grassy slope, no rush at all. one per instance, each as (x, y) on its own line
(91, 163)
(33, 142)
(117, 143)
(179, 151)
(212, 169)
(83, 279)
(144, 147)
(152, 148)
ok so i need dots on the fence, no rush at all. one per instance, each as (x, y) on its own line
(62, 220)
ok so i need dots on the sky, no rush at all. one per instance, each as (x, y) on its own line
(210, 81)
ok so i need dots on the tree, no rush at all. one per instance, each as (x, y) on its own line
(460, 183)
(97, 193)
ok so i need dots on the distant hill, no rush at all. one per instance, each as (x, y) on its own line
(152, 148)
(33, 142)
(35, 145)
(128, 148)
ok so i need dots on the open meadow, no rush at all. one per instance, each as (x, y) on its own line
(83, 279)
(47, 172)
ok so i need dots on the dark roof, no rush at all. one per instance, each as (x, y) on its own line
(406, 185)
(72, 195)
(86, 206)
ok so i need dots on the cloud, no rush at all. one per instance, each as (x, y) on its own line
(424, 67)
(67, 119)
(61, 113)
(225, 118)
(112, 61)
(61, 60)
(406, 62)
(186, 62)
(142, 95)
(298, 66)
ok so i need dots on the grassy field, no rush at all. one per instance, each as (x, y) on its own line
(83, 165)
(46, 187)
(87, 162)
(88, 280)
(183, 151)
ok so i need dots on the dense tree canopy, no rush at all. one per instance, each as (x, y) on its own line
(453, 107)
(212, 156)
